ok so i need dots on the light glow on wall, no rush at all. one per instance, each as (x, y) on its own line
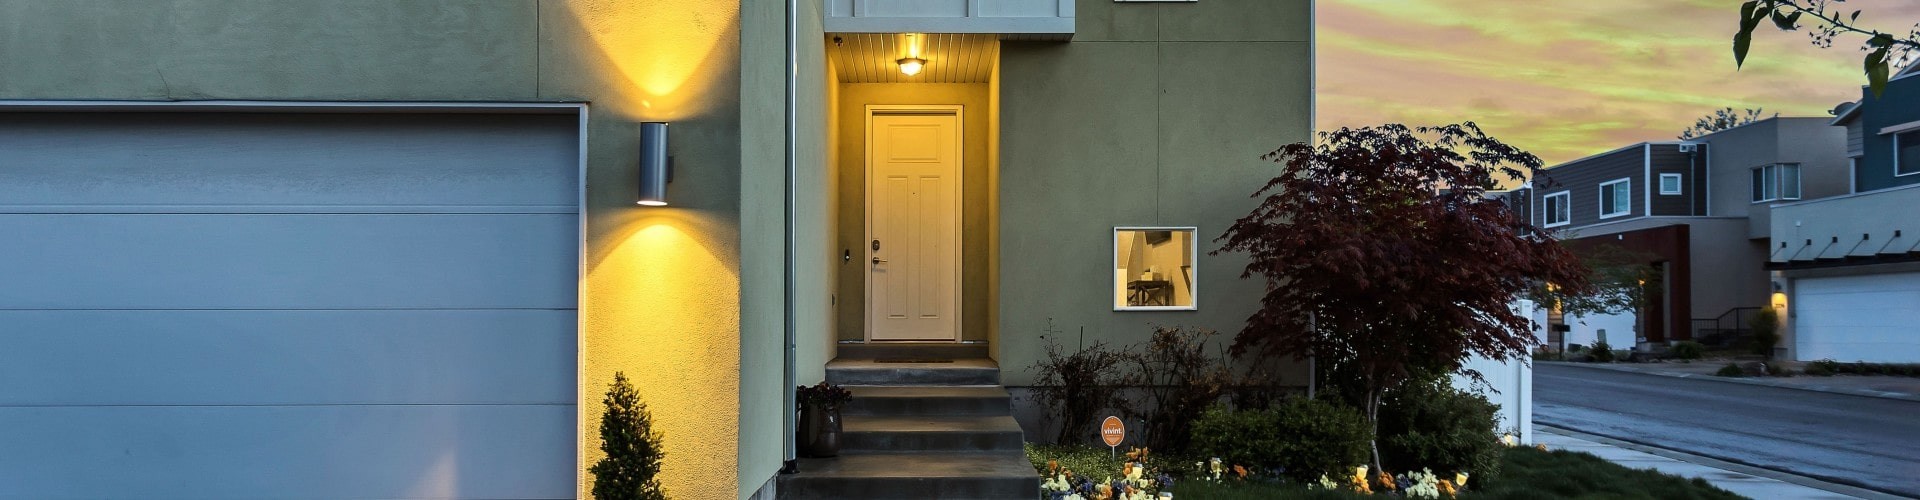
(663, 55)
(664, 309)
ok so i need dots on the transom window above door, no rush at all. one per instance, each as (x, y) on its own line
(1616, 198)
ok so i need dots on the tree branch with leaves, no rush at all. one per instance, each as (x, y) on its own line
(1829, 23)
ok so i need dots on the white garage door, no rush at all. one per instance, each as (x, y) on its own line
(1872, 318)
(213, 305)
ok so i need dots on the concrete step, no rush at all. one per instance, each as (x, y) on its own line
(928, 433)
(914, 475)
(869, 371)
(928, 400)
(925, 350)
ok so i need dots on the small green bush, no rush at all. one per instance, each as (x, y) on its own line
(1731, 370)
(1602, 353)
(1766, 331)
(1576, 348)
(1303, 437)
(1432, 425)
(633, 448)
(1687, 349)
(1822, 368)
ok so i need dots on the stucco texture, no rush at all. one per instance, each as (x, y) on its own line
(1134, 123)
(660, 294)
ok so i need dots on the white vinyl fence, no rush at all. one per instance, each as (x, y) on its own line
(1508, 384)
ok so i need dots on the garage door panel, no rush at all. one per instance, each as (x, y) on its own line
(288, 261)
(1858, 318)
(287, 452)
(286, 159)
(286, 357)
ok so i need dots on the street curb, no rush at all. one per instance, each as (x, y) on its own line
(1814, 482)
(1865, 393)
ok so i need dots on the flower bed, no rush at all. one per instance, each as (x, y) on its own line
(1528, 473)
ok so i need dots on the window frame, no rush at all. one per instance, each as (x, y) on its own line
(1607, 190)
(1546, 209)
(1769, 181)
(1896, 153)
(1678, 184)
(1193, 256)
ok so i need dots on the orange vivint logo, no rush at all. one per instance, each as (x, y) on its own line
(1112, 431)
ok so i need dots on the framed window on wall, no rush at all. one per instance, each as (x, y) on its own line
(1557, 209)
(1153, 269)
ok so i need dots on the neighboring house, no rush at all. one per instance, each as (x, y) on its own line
(1846, 270)
(1697, 209)
(398, 249)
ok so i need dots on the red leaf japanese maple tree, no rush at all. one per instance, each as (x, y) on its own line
(1382, 252)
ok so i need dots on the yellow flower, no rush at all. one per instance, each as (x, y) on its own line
(1460, 478)
(1446, 488)
(1385, 480)
(1541, 447)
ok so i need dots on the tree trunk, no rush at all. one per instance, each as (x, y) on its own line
(1373, 421)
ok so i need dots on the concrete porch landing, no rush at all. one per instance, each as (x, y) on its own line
(919, 430)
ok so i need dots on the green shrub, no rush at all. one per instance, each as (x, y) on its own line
(1576, 348)
(1432, 425)
(1766, 331)
(1687, 349)
(1602, 353)
(632, 447)
(1822, 368)
(1303, 437)
(1731, 370)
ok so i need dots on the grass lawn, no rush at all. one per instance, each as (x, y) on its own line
(1528, 474)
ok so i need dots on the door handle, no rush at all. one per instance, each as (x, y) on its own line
(877, 260)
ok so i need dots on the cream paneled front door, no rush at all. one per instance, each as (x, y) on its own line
(913, 223)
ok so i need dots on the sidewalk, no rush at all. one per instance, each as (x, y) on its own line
(1890, 387)
(1751, 482)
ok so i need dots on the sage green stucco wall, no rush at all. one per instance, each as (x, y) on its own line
(1155, 114)
(661, 297)
(851, 173)
(762, 238)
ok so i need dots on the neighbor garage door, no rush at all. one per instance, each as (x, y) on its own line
(205, 305)
(1858, 318)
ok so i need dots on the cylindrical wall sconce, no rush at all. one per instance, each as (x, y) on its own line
(656, 168)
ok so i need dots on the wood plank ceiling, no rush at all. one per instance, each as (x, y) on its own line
(951, 57)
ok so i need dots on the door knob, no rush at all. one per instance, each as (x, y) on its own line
(878, 260)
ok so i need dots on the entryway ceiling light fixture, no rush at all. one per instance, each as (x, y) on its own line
(656, 168)
(912, 64)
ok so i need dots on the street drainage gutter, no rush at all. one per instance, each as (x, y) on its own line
(790, 465)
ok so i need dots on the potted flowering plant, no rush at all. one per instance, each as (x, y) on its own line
(819, 427)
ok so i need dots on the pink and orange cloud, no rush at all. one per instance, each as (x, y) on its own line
(1569, 78)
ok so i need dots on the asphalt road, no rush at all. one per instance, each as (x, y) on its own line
(1867, 442)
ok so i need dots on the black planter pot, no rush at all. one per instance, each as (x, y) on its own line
(819, 431)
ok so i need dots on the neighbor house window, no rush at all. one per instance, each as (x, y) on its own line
(1776, 182)
(1556, 207)
(1153, 269)
(1906, 153)
(1616, 198)
(1669, 183)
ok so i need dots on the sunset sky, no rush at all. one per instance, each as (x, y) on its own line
(1569, 78)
